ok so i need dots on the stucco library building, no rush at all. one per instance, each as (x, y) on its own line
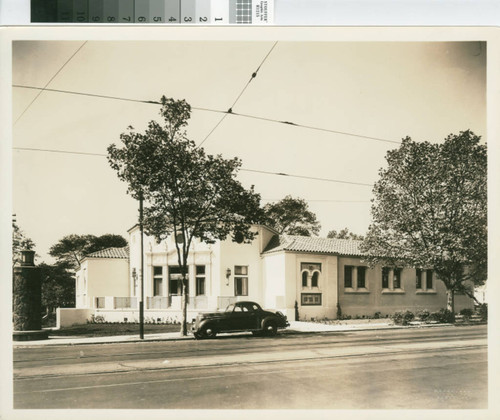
(317, 276)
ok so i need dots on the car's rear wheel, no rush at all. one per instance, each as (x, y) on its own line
(270, 328)
(207, 331)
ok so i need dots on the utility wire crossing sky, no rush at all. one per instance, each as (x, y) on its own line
(316, 123)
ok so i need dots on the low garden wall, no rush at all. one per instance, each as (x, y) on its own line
(66, 317)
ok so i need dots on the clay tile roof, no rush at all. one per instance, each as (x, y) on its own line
(111, 253)
(313, 244)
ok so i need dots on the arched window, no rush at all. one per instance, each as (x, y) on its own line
(314, 279)
(312, 270)
(304, 278)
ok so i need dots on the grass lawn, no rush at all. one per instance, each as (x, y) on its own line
(102, 330)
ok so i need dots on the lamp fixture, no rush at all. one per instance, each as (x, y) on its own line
(228, 274)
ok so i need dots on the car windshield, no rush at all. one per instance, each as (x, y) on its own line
(230, 308)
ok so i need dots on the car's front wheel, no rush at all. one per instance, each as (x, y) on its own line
(207, 331)
(270, 328)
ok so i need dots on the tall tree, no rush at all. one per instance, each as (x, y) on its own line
(20, 242)
(292, 216)
(72, 249)
(187, 193)
(58, 286)
(344, 234)
(430, 210)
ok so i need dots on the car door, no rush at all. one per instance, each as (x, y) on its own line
(250, 317)
(236, 319)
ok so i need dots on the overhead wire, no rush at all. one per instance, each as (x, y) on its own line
(241, 169)
(48, 83)
(289, 123)
(310, 200)
(254, 75)
(230, 110)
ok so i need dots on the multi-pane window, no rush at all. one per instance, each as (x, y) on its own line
(241, 280)
(418, 279)
(428, 280)
(200, 280)
(157, 281)
(310, 299)
(397, 278)
(361, 277)
(175, 280)
(385, 277)
(348, 276)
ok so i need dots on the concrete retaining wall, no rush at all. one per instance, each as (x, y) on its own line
(157, 316)
(66, 317)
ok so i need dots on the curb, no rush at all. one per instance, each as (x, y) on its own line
(191, 337)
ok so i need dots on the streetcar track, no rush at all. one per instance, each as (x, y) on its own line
(133, 369)
(175, 353)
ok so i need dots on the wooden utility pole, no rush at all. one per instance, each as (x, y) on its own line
(141, 302)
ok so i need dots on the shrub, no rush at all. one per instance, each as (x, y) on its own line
(423, 315)
(377, 315)
(466, 313)
(403, 318)
(443, 316)
(96, 319)
(483, 311)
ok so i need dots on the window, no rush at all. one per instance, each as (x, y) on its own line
(304, 278)
(361, 277)
(314, 279)
(311, 299)
(200, 280)
(397, 278)
(418, 280)
(312, 270)
(175, 281)
(348, 276)
(157, 281)
(385, 277)
(241, 280)
(249, 307)
(428, 280)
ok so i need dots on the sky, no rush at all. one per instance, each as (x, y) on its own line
(358, 100)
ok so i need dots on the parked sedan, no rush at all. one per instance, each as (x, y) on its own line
(239, 316)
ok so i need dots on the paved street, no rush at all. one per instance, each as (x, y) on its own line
(442, 367)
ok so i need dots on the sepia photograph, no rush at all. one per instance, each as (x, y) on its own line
(250, 220)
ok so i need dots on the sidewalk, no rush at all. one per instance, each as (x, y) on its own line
(296, 327)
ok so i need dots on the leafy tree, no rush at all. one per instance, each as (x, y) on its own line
(58, 286)
(72, 249)
(186, 192)
(344, 234)
(292, 216)
(20, 242)
(107, 240)
(430, 210)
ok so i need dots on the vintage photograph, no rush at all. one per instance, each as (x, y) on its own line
(261, 222)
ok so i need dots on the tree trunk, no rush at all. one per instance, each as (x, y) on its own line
(450, 304)
(184, 307)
